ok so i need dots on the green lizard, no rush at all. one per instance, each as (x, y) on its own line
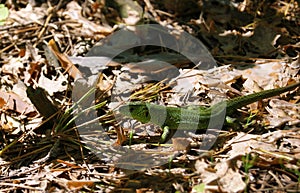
(173, 118)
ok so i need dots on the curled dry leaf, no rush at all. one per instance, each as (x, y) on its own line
(65, 62)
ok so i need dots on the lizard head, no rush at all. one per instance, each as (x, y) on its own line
(136, 110)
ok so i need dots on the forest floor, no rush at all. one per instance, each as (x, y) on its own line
(66, 67)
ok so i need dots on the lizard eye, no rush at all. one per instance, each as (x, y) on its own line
(131, 109)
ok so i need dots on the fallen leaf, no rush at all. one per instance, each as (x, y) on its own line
(232, 182)
(14, 102)
(2, 102)
(180, 143)
(121, 137)
(65, 62)
(79, 184)
(83, 26)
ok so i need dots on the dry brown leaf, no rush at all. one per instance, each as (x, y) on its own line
(73, 185)
(150, 67)
(121, 137)
(70, 165)
(180, 143)
(2, 102)
(65, 62)
(34, 72)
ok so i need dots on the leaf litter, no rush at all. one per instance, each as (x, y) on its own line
(255, 45)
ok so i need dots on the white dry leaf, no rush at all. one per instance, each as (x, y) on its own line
(33, 123)
(244, 144)
(190, 82)
(20, 89)
(91, 64)
(240, 144)
(281, 112)
(288, 139)
(186, 80)
(229, 180)
(88, 28)
(126, 84)
(290, 145)
(207, 175)
(184, 89)
(28, 15)
(251, 85)
(91, 67)
(222, 168)
(232, 182)
(274, 145)
(215, 76)
(221, 78)
(13, 66)
(52, 86)
(15, 102)
(32, 182)
(226, 74)
(263, 74)
(272, 137)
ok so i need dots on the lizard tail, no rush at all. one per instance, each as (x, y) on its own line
(239, 102)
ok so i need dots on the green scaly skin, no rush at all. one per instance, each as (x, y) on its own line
(173, 118)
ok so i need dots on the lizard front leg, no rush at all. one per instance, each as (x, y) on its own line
(165, 135)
